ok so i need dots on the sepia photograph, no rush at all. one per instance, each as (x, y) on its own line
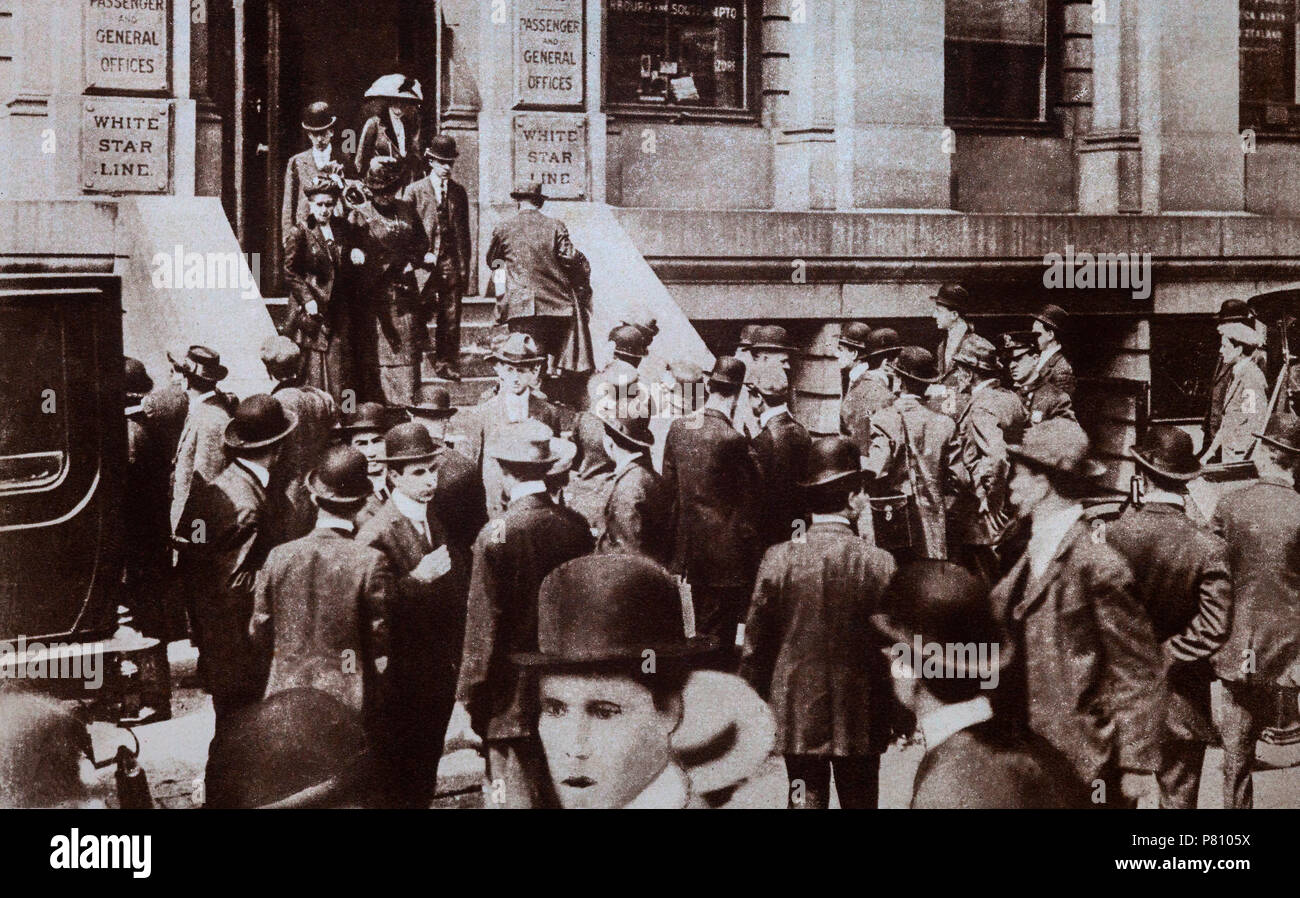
(665, 404)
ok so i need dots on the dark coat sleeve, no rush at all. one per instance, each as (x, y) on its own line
(762, 626)
(483, 621)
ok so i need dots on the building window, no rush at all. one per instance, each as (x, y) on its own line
(677, 54)
(1267, 48)
(1184, 350)
(995, 60)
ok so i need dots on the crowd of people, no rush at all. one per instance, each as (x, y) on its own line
(735, 608)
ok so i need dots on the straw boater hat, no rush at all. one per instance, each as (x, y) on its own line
(1167, 451)
(530, 444)
(318, 117)
(396, 87)
(340, 477)
(200, 363)
(259, 421)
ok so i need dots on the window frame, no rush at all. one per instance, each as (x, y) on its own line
(751, 53)
(1291, 129)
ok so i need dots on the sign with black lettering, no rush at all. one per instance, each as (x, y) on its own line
(124, 146)
(548, 53)
(552, 149)
(127, 44)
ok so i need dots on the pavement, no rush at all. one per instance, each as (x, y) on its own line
(173, 754)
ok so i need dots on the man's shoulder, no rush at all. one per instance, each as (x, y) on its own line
(1091, 554)
(378, 524)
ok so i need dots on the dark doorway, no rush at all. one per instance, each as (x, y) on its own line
(326, 50)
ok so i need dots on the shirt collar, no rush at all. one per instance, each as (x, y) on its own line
(669, 789)
(772, 413)
(1047, 534)
(260, 472)
(380, 483)
(818, 518)
(320, 157)
(527, 488)
(858, 369)
(327, 521)
(202, 398)
(626, 462)
(939, 725)
(415, 512)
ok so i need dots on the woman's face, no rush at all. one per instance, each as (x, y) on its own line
(603, 737)
(322, 205)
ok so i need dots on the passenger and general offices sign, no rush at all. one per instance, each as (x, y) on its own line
(548, 53)
(126, 44)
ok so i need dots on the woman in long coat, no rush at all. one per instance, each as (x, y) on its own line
(394, 127)
(392, 327)
(317, 262)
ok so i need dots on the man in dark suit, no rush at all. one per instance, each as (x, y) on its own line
(319, 259)
(637, 516)
(364, 431)
(321, 609)
(519, 365)
(1181, 578)
(458, 498)
(443, 207)
(293, 513)
(511, 558)
(952, 305)
(225, 523)
(869, 387)
(711, 474)
(1052, 366)
(147, 561)
(1088, 678)
(426, 617)
(1043, 401)
(781, 453)
(318, 124)
(1261, 525)
(543, 273)
(974, 755)
(990, 419)
(808, 649)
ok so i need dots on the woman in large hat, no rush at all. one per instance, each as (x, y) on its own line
(393, 128)
(1244, 409)
(625, 718)
(392, 327)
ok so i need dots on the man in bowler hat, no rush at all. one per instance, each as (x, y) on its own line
(781, 452)
(512, 556)
(364, 431)
(426, 616)
(322, 603)
(1261, 525)
(1181, 578)
(1047, 325)
(714, 481)
(637, 517)
(1089, 678)
(318, 122)
(808, 648)
(952, 305)
(443, 207)
(870, 386)
(974, 755)
(200, 450)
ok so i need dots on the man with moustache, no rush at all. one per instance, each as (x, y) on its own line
(364, 430)
(426, 614)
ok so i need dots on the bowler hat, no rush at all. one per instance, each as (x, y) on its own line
(318, 117)
(258, 421)
(772, 338)
(915, 364)
(518, 349)
(1053, 316)
(770, 381)
(727, 371)
(747, 334)
(340, 476)
(281, 356)
(833, 460)
(883, 340)
(945, 605)
(442, 148)
(395, 87)
(1234, 310)
(135, 379)
(437, 405)
(1058, 445)
(630, 340)
(529, 442)
(854, 335)
(1167, 451)
(322, 184)
(298, 748)
(602, 609)
(409, 442)
(977, 354)
(384, 175)
(953, 296)
(200, 363)
(528, 190)
(368, 416)
(1017, 343)
(1283, 432)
